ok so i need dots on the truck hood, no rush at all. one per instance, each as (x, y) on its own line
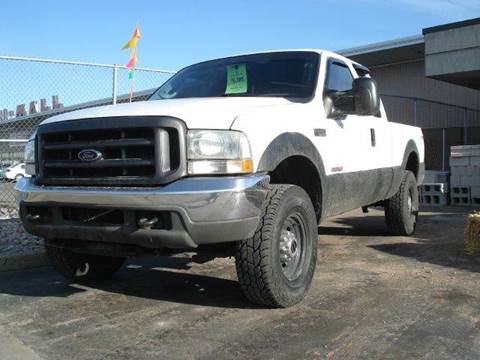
(207, 113)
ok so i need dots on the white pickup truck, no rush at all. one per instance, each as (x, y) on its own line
(241, 156)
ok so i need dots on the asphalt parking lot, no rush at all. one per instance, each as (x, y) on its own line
(373, 297)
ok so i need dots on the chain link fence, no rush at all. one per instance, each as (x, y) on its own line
(34, 89)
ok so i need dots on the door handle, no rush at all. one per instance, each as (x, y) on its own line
(372, 137)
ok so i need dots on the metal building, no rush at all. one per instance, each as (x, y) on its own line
(431, 80)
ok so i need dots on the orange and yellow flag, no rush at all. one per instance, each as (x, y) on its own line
(132, 43)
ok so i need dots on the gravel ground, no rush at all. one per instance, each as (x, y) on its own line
(8, 213)
(373, 296)
(18, 249)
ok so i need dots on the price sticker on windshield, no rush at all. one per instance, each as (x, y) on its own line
(236, 79)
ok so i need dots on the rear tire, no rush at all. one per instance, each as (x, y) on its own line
(83, 267)
(401, 210)
(275, 267)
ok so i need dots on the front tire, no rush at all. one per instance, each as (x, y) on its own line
(275, 267)
(401, 210)
(83, 267)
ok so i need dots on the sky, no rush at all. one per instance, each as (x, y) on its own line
(177, 33)
(181, 32)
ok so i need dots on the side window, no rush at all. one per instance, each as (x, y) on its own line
(339, 77)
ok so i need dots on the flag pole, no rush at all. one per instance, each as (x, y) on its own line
(131, 91)
(132, 75)
(132, 44)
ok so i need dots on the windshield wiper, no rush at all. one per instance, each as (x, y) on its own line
(277, 95)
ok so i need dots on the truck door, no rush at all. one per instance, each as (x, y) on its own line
(378, 150)
(380, 142)
(363, 142)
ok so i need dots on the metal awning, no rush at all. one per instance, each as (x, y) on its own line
(387, 52)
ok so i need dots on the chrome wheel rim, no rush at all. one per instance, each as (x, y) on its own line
(412, 204)
(291, 246)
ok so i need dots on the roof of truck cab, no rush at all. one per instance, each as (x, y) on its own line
(318, 51)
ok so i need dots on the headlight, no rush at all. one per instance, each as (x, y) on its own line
(218, 152)
(30, 167)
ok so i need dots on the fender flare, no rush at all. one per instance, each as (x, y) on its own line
(291, 144)
(410, 148)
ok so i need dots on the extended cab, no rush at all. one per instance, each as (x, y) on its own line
(241, 156)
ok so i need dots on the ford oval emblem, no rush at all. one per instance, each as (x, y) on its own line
(90, 155)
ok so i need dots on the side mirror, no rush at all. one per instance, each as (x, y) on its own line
(365, 94)
(362, 100)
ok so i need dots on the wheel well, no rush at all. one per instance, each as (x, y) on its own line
(300, 171)
(412, 163)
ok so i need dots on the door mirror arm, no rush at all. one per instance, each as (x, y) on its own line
(339, 104)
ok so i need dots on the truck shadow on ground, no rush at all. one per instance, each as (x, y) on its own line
(438, 238)
(158, 282)
(147, 278)
(448, 255)
(439, 241)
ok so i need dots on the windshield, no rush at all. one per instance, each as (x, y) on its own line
(281, 74)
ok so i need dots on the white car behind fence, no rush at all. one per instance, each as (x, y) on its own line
(15, 172)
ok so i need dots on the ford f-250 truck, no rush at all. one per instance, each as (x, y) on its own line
(241, 156)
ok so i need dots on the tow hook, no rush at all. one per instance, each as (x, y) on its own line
(147, 224)
(33, 217)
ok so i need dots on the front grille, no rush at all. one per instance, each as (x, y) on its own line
(127, 151)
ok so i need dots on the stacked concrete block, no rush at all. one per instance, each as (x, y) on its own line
(432, 176)
(434, 194)
(460, 196)
(475, 195)
(465, 175)
(435, 189)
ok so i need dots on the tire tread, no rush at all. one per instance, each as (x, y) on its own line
(253, 257)
(394, 207)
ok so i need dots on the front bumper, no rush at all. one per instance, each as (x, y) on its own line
(203, 210)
